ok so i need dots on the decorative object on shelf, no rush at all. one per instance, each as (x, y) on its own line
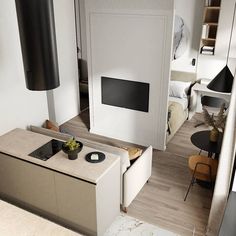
(95, 157)
(224, 79)
(216, 122)
(207, 50)
(72, 147)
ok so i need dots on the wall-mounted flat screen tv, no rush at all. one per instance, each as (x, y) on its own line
(125, 93)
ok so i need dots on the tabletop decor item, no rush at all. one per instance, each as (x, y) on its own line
(95, 157)
(72, 147)
(216, 122)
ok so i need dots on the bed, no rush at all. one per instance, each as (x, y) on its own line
(179, 103)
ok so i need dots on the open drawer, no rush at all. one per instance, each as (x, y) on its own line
(136, 176)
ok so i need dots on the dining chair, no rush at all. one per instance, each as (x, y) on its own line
(202, 168)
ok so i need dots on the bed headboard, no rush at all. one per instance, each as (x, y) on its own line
(183, 76)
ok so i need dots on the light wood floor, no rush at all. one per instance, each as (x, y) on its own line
(160, 201)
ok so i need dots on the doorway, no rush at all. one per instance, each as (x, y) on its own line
(82, 55)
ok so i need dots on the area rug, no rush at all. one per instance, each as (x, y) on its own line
(128, 226)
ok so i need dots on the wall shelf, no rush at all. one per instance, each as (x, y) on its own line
(210, 25)
(210, 39)
(212, 8)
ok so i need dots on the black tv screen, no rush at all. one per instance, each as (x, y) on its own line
(125, 93)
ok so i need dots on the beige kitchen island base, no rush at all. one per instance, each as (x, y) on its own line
(86, 206)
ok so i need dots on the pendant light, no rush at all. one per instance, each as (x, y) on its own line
(224, 79)
(38, 43)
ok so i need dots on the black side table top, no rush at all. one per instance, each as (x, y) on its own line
(201, 140)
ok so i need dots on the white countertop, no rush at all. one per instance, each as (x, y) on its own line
(20, 143)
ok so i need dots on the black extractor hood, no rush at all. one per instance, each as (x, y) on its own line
(38, 43)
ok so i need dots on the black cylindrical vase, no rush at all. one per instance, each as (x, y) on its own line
(38, 43)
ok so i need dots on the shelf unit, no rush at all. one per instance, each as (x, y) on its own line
(210, 25)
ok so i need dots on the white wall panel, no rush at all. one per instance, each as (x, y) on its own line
(224, 28)
(209, 66)
(192, 18)
(132, 45)
(130, 4)
(64, 101)
(19, 107)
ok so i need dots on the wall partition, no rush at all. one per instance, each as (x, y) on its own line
(130, 41)
(225, 168)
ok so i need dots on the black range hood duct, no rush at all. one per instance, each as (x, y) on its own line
(38, 43)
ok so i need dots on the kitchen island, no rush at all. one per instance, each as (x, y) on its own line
(75, 193)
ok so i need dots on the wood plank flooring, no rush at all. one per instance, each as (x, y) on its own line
(160, 202)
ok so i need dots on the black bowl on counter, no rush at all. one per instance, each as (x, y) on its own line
(72, 154)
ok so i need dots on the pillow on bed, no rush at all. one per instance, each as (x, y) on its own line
(179, 89)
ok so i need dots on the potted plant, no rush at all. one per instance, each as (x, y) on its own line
(216, 122)
(72, 147)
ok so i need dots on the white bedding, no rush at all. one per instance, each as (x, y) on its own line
(182, 101)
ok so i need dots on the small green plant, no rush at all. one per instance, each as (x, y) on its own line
(71, 144)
